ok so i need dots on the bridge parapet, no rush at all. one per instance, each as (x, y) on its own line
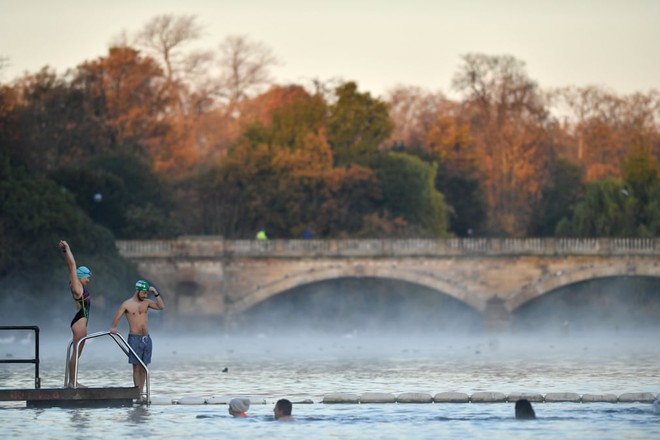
(217, 247)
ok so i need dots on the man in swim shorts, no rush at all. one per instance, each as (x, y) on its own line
(135, 309)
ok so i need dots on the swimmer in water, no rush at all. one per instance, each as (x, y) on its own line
(282, 411)
(524, 410)
(238, 406)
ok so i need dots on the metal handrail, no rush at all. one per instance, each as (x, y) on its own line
(119, 340)
(35, 360)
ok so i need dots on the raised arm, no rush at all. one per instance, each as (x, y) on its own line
(76, 286)
(159, 304)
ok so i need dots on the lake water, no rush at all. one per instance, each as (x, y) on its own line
(266, 367)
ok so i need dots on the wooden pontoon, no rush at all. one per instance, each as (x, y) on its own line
(38, 397)
(72, 397)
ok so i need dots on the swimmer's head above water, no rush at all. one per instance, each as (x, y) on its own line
(238, 406)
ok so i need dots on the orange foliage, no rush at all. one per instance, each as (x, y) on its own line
(135, 103)
(311, 161)
(601, 127)
(260, 108)
(449, 139)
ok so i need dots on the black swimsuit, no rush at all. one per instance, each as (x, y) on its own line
(85, 303)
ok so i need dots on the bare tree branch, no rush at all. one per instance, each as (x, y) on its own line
(165, 36)
(245, 67)
(4, 63)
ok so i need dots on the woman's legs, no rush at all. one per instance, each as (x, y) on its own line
(79, 330)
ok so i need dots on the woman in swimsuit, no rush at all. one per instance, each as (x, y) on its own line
(78, 279)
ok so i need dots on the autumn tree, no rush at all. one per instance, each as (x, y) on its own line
(432, 127)
(256, 186)
(241, 71)
(280, 175)
(591, 125)
(71, 128)
(413, 113)
(358, 124)
(284, 115)
(601, 127)
(166, 38)
(53, 124)
(124, 92)
(196, 126)
(208, 86)
(282, 119)
(507, 121)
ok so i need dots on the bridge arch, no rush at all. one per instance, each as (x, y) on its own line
(436, 282)
(553, 281)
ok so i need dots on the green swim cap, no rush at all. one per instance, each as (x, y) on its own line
(142, 285)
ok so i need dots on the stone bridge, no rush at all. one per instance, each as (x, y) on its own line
(495, 276)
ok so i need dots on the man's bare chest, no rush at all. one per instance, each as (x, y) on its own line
(137, 310)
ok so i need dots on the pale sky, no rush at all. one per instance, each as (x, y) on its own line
(377, 43)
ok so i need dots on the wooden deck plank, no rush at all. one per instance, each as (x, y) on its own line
(72, 397)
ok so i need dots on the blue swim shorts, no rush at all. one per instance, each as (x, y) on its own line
(142, 346)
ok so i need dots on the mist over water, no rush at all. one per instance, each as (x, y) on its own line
(353, 319)
(375, 306)
(616, 304)
(362, 305)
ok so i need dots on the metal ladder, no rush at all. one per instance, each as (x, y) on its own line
(121, 343)
(35, 360)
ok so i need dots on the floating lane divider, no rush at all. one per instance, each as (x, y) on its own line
(445, 397)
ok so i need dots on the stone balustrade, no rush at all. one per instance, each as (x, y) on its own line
(217, 247)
